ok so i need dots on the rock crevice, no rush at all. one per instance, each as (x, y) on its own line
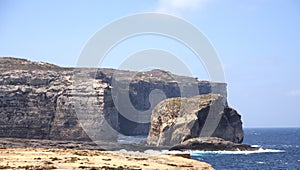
(175, 120)
(42, 101)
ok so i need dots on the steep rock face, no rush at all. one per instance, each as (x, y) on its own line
(178, 119)
(44, 101)
(34, 104)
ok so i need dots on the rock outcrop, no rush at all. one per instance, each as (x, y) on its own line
(43, 101)
(175, 120)
(211, 144)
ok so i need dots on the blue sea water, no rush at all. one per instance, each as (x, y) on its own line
(283, 153)
(282, 150)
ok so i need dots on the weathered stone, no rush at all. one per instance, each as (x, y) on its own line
(44, 101)
(175, 120)
(211, 144)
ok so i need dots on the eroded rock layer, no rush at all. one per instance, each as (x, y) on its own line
(42, 101)
(175, 120)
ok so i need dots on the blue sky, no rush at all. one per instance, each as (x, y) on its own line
(258, 43)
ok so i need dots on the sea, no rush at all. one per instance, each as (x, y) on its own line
(280, 149)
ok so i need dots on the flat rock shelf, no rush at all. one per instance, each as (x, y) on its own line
(42, 158)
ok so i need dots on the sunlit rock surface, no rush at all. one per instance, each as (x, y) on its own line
(44, 101)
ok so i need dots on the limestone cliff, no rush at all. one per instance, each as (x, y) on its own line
(175, 120)
(40, 100)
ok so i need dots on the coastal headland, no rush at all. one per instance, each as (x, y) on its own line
(66, 118)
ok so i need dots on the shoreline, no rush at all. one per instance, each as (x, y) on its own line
(17, 153)
(54, 158)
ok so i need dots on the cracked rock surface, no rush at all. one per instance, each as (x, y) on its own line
(44, 101)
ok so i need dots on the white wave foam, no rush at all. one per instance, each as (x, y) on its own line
(260, 150)
(260, 162)
(157, 152)
(153, 152)
(203, 153)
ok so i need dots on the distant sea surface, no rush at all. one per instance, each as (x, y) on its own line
(283, 153)
(282, 150)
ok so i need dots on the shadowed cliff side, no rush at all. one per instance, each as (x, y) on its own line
(40, 101)
(176, 120)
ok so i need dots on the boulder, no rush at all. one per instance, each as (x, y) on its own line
(175, 120)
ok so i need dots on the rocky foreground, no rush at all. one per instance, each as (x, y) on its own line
(50, 154)
(37, 154)
(41, 158)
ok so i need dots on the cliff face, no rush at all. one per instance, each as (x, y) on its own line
(175, 120)
(40, 100)
(34, 101)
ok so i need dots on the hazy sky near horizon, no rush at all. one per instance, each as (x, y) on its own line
(258, 43)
